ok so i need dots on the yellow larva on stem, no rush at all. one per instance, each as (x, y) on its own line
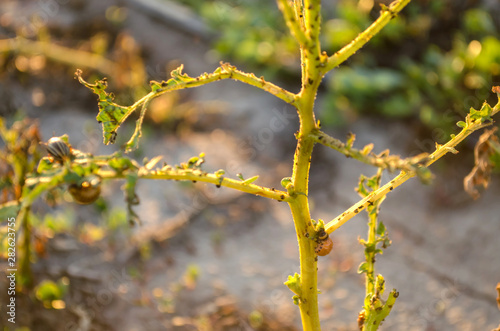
(324, 243)
(87, 190)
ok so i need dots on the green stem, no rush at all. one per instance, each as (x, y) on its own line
(370, 255)
(387, 14)
(440, 151)
(308, 303)
(292, 22)
(373, 322)
(368, 200)
(372, 211)
(26, 277)
(365, 155)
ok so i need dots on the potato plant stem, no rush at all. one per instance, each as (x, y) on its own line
(308, 303)
(386, 15)
(311, 78)
(440, 151)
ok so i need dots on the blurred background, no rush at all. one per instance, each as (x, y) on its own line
(214, 259)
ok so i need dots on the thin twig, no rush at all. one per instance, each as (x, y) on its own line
(441, 150)
(383, 160)
(387, 14)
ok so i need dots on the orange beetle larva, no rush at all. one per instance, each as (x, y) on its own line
(87, 190)
(324, 243)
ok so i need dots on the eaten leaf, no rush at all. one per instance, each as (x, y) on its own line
(293, 283)
(111, 115)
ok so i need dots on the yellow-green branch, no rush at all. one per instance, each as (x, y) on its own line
(384, 160)
(312, 22)
(293, 23)
(197, 175)
(193, 175)
(75, 58)
(112, 115)
(311, 79)
(374, 321)
(225, 71)
(259, 82)
(368, 200)
(470, 126)
(387, 14)
(299, 207)
(308, 303)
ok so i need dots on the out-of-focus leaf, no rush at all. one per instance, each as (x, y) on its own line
(9, 209)
(111, 115)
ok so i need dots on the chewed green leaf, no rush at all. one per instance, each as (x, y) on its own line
(350, 140)
(251, 180)
(155, 86)
(44, 165)
(111, 115)
(381, 228)
(220, 173)
(285, 181)
(367, 149)
(380, 284)
(370, 247)
(293, 283)
(151, 163)
(177, 78)
(486, 111)
(363, 268)
(119, 163)
(425, 175)
(373, 182)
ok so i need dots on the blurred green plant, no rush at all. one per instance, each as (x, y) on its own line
(429, 82)
(249, 34)
(51, 294)
(437, 81)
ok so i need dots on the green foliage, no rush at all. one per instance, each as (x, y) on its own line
(293, 283)
(375, 310)
(48, 291)
(422, 85)
(117, 219)
(191, 276)
(256, 319)
(250, 32)
(111, 115)
(54, 223)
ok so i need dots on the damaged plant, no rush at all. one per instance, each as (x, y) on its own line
(84, 173)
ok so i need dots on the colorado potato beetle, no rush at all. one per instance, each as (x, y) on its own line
(324, 243)
(58, 149)
(87, 190)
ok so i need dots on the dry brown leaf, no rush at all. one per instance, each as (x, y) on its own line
(480, 174)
